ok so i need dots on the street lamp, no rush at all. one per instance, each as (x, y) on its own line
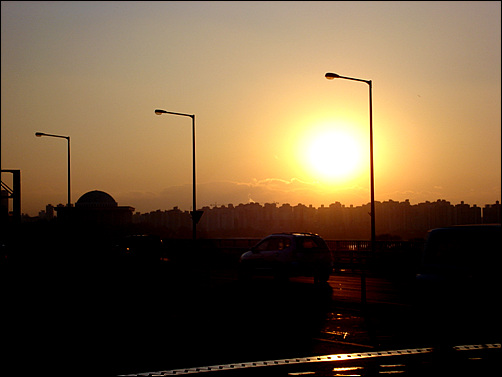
(40, 134)
(196, 215)
(331, 76)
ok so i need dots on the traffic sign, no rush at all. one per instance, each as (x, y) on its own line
(196, 215)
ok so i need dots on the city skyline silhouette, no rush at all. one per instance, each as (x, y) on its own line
(395, 220)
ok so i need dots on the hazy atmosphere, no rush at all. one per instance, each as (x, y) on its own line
(269, 126)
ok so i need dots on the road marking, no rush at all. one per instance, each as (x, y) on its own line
(311, 359)
(342, 342)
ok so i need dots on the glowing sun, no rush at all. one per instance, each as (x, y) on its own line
(333, 155)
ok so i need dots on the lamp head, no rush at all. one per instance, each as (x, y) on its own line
(39, 134)
(331, 76)
(160, 112)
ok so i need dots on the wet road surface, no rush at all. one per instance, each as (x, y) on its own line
(131, 321)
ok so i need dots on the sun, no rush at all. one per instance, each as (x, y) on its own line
(333, 155)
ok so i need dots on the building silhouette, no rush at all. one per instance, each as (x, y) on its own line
(394, 220)
(491, 213)
(48, 214)
(98, 208)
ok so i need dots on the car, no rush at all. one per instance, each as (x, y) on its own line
(285, 255)
(461, 262)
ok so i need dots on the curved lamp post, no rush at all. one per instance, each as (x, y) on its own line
(331, 76)
(196, 215)
(40, 134)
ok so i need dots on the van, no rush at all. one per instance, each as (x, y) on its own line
(461, 260)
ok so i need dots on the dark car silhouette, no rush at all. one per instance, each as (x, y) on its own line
(461, 262)
(284, 255)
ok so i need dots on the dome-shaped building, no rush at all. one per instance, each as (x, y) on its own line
(96, 199)
(97, 207)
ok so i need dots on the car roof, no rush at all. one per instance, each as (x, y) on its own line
(296, 234)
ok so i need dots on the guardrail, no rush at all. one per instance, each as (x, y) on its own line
(334, 245)
(387, 256)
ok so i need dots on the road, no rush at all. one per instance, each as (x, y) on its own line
(120, 322)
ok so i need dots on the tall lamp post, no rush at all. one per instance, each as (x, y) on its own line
(331, 76)
(40, 134)
(196, 215)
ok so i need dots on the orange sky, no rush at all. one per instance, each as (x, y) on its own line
(253, 74)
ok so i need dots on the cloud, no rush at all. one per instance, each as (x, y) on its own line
(267, 190)
(294, 184)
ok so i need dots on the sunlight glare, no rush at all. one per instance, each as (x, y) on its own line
(333, 154)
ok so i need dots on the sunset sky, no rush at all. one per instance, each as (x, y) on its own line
(267, 120)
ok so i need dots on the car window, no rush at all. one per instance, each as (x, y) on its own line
(262, 246)
(274, 244)
(283, 243)
(311, 243)
(308, 244)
